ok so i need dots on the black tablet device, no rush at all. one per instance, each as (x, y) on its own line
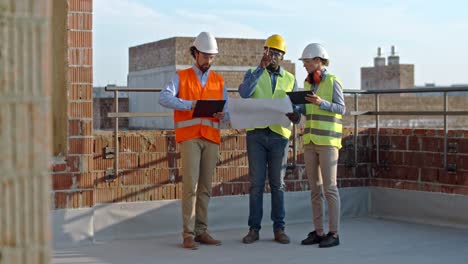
(299, 97)
(206, 108)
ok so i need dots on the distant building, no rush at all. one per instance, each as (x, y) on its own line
(151, 65)
(387, 76)
(435, 87)
(103, 103)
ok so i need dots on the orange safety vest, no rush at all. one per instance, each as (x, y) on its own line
(190, 88)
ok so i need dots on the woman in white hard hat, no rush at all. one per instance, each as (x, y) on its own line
(199, 138)
(322, 140)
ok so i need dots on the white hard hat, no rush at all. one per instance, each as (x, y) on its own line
(206, 43)
(314, 50)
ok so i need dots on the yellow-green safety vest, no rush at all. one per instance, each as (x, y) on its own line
(284, 83)
(323, 127)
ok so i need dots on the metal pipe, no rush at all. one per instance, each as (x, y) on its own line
(139, 114)
(417, 89)
(294, 146)
(377, 133)
(116, 134)
(112, 88)
(356, 108)
(418, 113)
(445, 129)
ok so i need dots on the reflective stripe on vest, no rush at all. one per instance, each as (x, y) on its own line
(324, 118)
(323, 127)
(284, 83)
(190, 88)
(321, 132)
(196, 121)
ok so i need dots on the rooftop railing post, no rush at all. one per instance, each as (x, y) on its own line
(445, 129)
(356, 108)
(116, 134)
(377, 132)
(294, 146)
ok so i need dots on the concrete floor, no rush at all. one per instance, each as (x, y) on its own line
(363, 240)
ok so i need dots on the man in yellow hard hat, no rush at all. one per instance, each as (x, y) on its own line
(267, 147)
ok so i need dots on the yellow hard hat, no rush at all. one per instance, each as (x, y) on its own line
(276, 42)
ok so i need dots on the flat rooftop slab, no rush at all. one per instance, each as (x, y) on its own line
(363, 240)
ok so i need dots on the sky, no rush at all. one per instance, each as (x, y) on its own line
(432, 35)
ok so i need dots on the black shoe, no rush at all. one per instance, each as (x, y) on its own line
(330, 240)
(312, 238)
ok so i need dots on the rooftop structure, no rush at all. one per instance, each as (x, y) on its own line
(393, 75)
(151, 65)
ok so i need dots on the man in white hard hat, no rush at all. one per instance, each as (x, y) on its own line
(267, 147)
(199, 138)
(322, 140)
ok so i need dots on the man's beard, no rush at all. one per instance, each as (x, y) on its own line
(205, 67)
(273, 67)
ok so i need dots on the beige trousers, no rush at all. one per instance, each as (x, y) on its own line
(321, 168)
(199, 157)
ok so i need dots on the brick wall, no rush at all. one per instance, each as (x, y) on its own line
(413, 159)
(152, 55)
(232, 79)
(175, 51)
(150, 166)
(387, 77)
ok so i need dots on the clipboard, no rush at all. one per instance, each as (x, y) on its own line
(206, 108)
(299, 97)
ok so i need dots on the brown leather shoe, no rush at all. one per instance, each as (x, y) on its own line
(251, 237)
(281, 237)
(206, 239)
(189, 243)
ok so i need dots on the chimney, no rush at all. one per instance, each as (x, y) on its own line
(393, 59)
(379, 60)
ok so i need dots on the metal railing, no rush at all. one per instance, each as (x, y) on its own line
(378, 113)
(356, 113)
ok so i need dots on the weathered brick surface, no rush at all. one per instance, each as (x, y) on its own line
(103, 106)
(62, 181)
(422, 166)
(80, 21)
(80, 145)
(152, 55)
(80, 92)
(387, 77)
(80, 5)
(80, 57)
(80, 127)
(80, 74)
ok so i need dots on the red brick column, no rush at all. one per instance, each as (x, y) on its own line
(72, 177)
